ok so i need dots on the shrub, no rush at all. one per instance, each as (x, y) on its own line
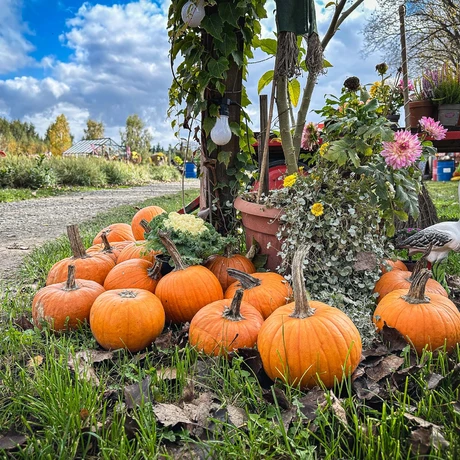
(79, 171)
(116, 173)
(164, 173)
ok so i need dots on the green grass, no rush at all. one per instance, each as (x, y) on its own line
(445, 195)
(64, 415)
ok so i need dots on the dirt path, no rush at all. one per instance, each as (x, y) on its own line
(25, 225)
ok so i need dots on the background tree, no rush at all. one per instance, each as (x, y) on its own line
(432, 33)
(58, 136)
(18, 138)
(94, 130)
(136, 136)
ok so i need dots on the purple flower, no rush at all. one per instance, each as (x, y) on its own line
(433, 128)
(403, 151)
(410, 85)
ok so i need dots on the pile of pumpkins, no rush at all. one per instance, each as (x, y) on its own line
(116, 285)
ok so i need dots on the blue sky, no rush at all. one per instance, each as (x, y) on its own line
(108, 59)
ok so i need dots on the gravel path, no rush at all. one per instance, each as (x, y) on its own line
(25, 225)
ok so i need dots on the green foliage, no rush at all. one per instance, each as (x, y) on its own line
(93, 130)
(136, 136)
(447, 85)
(194, 238)
(26, 172)
(164, 173)
(79, 171)
(17, 138)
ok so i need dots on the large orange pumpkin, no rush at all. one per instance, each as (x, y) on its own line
(127, 318)
(265, 291)
(187, 289)
(133, 273)
(147, 213)
(307, 341)
(89, 267)
(137, 250)
(115, 232)
(225, 325)
(65, 305)
(424, 319)
(219, 264)
(401, 279)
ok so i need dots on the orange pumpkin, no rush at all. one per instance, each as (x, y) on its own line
(133, 273)
(224, 325)
(265, 291)
(137, 250)
(65, 305)
(185, 290)
(307, 341)
(89, 267)
(105, 248)
(390, 265)
(115, 232)
(426, 321)
(126, 318)
(400, 279)
(147, 214)
(219, 264)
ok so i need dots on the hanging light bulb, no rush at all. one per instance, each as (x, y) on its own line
(193, 13)
(221, 132)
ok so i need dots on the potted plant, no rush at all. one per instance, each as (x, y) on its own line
(447, 95)
(421, 99)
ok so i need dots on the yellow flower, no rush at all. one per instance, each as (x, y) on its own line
(323, 148)
(289, 181)
(317, 209)
(314, 176)
(374, 89)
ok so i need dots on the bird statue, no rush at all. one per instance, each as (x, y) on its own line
(442, 237)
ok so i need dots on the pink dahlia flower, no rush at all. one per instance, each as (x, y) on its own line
(403, 151)
(433, 128)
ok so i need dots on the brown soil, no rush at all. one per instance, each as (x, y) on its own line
(25, 225)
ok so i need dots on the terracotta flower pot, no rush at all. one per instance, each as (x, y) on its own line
(419, 109)
(262, 224)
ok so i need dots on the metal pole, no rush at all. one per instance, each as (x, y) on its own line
(402, 30)
(263, 104)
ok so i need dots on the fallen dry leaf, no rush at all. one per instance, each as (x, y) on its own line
(338, 409)
(433, 381)
(35, 361)
(392, 338)
(310, 403)
(386, 366)
(12, 440)
(137, 393)
(423, 438)
(170, 414)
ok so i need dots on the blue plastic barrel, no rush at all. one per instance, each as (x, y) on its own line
(445, 170)
(190, 170)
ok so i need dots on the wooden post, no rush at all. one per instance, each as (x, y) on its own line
(263, 183)
(402, 30)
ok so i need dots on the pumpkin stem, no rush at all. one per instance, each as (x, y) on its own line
(253, 250)
(71, 284)
(247, 281)
(145, 225)
(228, 251)
(421, 263)
(154, 272)
(302, 307)
(172, 250)
(126, 294)
(416, 292)
(76, 244)
(107, 247)
(233, 313)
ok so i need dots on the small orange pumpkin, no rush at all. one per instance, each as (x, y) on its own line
(430, 320)
(65, 305)
(137, 250)
(265, 291)
(224, 325)
(127, 318)
(390, 265)
(89, 267)
(400, 279)
(187, 289)
(219, 264)
(133, 273)
(147, 214)
(115, 232)
(308, 340)
(105, 248)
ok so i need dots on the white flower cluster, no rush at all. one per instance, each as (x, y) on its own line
(185, 223)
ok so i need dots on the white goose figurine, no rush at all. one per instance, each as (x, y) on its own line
(444, 236)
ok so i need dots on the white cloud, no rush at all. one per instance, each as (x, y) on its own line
(120, 66)
(14, 47)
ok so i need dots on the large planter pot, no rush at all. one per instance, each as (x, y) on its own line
(419, 109)
(262, 224)
(449, 114)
